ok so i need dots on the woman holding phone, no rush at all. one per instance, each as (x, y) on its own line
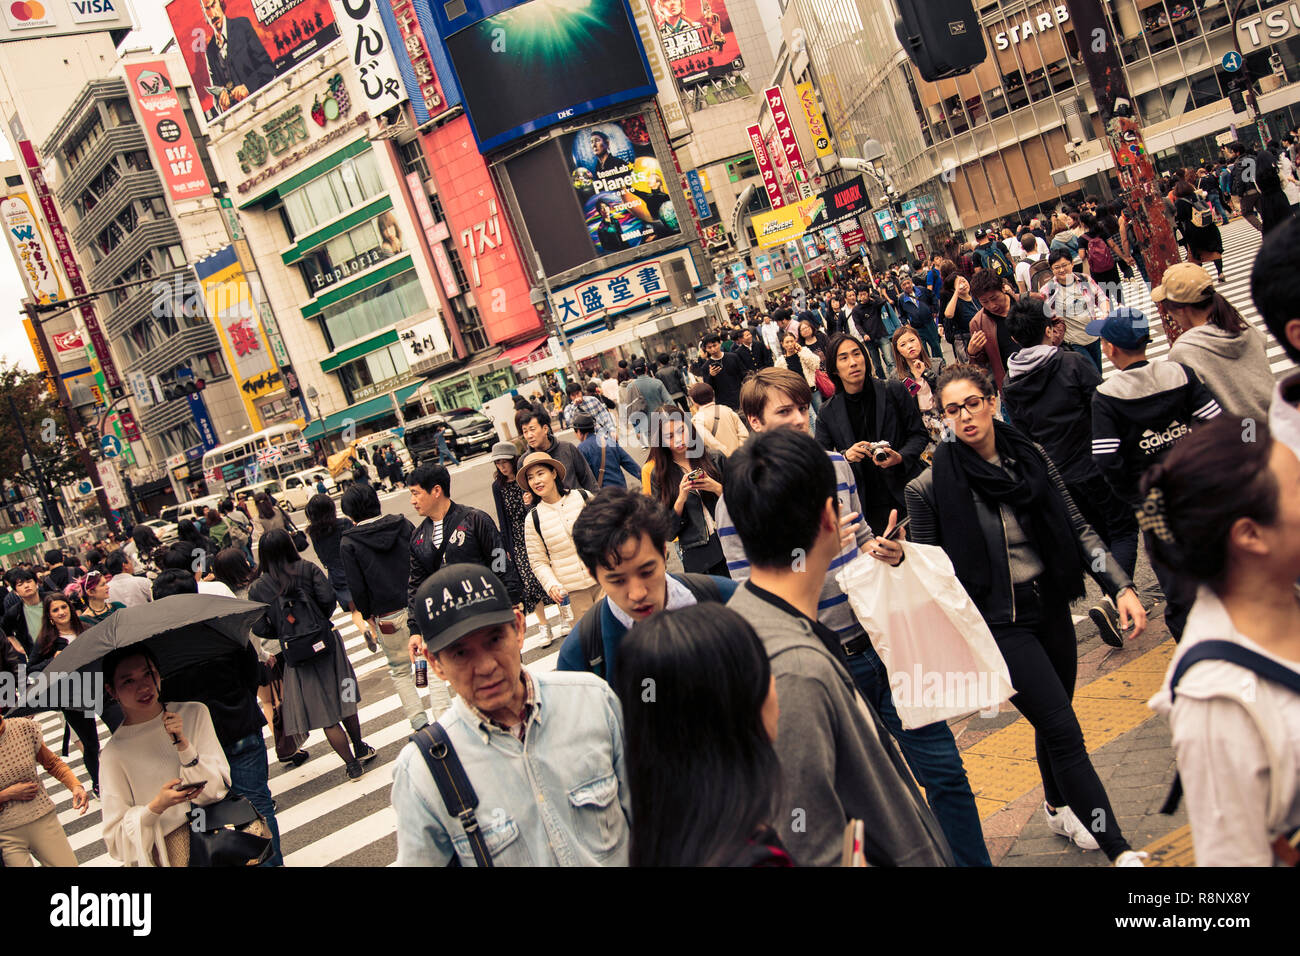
(686, 478)
(168, 751)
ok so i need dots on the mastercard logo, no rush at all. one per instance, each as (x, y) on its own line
(27, 10)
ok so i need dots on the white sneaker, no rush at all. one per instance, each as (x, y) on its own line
(546, 635)
(1131, 858)
(1064, 823)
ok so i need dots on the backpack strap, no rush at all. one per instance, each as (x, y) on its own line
(703, 587)
(1233, 653)
(591, 629)
(457, 792)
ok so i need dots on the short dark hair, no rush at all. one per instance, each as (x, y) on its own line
(533, 412)
(1208, 480)
(360, 501)
(737, 335)
(16, 575)
(1272, 282)
(611, 519)
(174, 581)
(1027, 321)
(701, 393)
(115, 563)
(54, 556)
(176, 558)
(429, 476)
(573, 389)
(1059, 253)
(776, 487)
(663, 358)
(710, 339)
(985, 282)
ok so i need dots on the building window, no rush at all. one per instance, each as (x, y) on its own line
(378, 307)
(354, 251)
(470, 324)
(176, 441)
(412, 156)
(327, 197)
(462, 280)
(373, 373)
(439, 214)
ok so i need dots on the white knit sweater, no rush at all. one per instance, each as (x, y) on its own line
(137, 761)
(553, 555)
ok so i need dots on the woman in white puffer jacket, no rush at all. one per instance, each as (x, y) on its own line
(548, 536)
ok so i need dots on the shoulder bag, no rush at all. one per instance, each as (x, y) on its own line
(457, 792)
(229, 832)
(299, 537)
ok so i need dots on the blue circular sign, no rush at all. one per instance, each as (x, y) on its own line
(1232, 61)
(111, 446)
(85, 487)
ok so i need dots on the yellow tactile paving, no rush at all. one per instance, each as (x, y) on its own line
(1002, 768)
(1172, 849)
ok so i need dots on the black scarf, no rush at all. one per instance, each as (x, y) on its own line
(959, 472)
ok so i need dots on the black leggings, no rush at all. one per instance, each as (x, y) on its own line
(86, 731)
(1040, 651)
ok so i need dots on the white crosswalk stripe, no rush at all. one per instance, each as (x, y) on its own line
(315, 795)
(1240, 244)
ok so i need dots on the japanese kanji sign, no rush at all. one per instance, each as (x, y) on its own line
(28, 245)
(229, 301)
(424, 342)
(616, 291)
(788, 140)
(367, 44)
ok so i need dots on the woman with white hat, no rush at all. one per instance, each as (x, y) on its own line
(548, 532)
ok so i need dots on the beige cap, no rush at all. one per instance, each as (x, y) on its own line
(1184, 284)
(538, 458)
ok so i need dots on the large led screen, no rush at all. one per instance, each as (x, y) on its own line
(545, 61)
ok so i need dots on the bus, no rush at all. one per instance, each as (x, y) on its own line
(269, 455)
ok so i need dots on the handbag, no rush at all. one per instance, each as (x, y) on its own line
(825, 385)
(229, 832)
(299, 537)
(941, 658)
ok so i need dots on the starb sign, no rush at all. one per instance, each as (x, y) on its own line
(1020, 32)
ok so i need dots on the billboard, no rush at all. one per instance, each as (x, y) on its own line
(786, 138)
(228, 296)
(364, 34)
(698, 39)
(175, 154)
(27, 242)
(233, 48)
(620, 185)
(29, 19)
(841, 203)
(534, 64)
(765, 169)
(812, 114)
(621, 289)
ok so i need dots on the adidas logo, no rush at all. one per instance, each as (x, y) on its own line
(1158, 441)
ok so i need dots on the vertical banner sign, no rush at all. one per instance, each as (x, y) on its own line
(40, 357)
(765, 166)
(697, 193)
(789, 141)
(203, 421)
(812, 112)
(69, 261)
(784, 175)
(169, 136)
(226, 292)
(113, 489)
(408, 25)
(363, 34)
(23, 231)
(424, 212)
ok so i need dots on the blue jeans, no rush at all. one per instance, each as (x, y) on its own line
(931, 753)
(248, 778)
(929, 334)
(881, 352)
(892, 321)
(1093, 351)
(445, 452)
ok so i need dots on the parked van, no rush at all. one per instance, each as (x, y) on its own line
(300, 487)
(193, 510)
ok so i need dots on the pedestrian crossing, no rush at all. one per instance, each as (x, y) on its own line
(324, 818)
(1241, 243)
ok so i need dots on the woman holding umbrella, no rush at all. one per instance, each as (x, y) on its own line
(313, 688)
(171, 752)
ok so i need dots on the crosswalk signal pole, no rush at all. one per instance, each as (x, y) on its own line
(1137, 174)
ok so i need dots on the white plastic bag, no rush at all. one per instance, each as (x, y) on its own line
(941, 657)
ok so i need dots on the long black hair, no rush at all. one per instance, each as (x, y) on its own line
(702, 772)
(146, 542)
(667, 475)
(232, 569)
(322, 517)
(277, 557)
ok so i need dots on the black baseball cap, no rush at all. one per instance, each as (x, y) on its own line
(458, 600)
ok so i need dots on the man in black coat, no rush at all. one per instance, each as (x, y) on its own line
(757, 347)
(237, 60)
(866, 410)
(723, 371)
(673, 379)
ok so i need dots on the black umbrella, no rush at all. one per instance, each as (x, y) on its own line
(182, 631)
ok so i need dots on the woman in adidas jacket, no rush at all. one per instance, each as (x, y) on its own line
(548, 534)
(1226, 513)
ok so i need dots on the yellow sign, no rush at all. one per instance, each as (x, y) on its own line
(230, 305)
(791, 221)
(816, 122)
(30, 251)
(40, 357)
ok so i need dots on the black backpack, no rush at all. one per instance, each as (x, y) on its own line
(702, 587)
(303, 630)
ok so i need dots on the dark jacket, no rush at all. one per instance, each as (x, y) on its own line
(1048, 392)
(898, 421)
(58, 579)
(762, 354)
(577, 473)
(616, 462)
(326, 547)
(869, 317)
(15, 626)
(726, 384)
(673, 380)
(472, 538)
(248, 64)
(376, 556)
(999, 605)
(227, 685)
(920, 308)
(310, 579)
(746, 356)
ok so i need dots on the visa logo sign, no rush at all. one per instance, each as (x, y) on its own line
(87, 11)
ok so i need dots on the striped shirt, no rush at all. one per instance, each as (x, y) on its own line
(833, 608)
(594, 407)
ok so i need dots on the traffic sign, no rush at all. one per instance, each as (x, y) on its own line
(111, 446)
(1232, 61)
(85, 487)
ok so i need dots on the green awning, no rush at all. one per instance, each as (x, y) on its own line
(364, 347)
(361, 412)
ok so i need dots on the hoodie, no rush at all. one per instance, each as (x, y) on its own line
(376, 560)
(1048, 393)
(1235, 367)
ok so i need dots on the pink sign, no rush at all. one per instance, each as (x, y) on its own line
(169, 135)
(786, 135)
(765, 166)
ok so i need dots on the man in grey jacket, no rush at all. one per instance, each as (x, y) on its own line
(837, 764)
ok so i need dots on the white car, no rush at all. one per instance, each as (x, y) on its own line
(300, 487)
(191, 510)
(166, 531)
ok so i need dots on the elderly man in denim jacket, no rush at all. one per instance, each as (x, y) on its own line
(543, 752)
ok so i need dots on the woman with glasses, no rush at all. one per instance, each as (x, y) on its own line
(997, 505)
